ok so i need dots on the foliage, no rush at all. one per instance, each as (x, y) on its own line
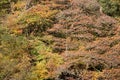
(111, 7)
(46, 66)
(17, 5)
(86, 40)
(4, 7)
(37, 19)
(37, 46)
(12, 45)
(13, 51)
(6, 67)
(46, 61)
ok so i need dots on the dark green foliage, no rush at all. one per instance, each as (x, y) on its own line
(110, 7)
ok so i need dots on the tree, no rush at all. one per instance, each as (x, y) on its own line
(111, 7)
(4, 7)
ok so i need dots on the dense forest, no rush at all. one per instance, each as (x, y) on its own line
(59, 39)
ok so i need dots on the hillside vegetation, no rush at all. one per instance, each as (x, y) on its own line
(59, 39)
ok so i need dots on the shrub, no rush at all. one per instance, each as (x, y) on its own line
(37, 19)
(4, 7)
(11, 44)
(13, 55)
(111, 7)
(46, 66)
(45, 62)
